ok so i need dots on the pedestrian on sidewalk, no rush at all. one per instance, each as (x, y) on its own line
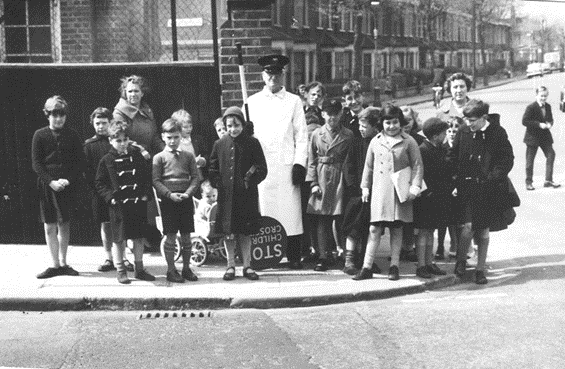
(280, 127)
(391, 151)
(409, 233)
(356, 214)
(58, 161)
(327, 162)
(124, 182)
(176, 178)
(454, 124)
(482, 156)
(94, 150)
(459, 85)
(237, 166)
(538, 120)
(315, 93)
(432, 208)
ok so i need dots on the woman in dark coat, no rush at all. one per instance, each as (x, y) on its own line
(483, 157)
(58, 161)
(237, 165)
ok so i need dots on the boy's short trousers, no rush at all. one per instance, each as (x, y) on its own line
(389, 225)
(177, 216)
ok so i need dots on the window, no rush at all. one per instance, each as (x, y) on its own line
(326, 67)
(27, 32)
(311, 61)
(298, 15)
(324, 14)
(367, 65)
(277, 13)
(343, 65)
(299, 70)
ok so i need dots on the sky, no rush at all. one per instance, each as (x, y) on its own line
(552, 11)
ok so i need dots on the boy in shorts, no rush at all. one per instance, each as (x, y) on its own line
(176, 179)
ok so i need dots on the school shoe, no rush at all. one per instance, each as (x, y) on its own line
(460, 268)
(144, 276)
(250, 274)
(530, 187)
(67, 270)
(435, 270)
(480, 277)
(174, 276)
(107, 266)
(48, 273)
(322, 266)
(423, 272)
(189, 275)
(551, 184)
(129, 266)
(229, 275)
(364, 273)
(123, 277)
(393, 273)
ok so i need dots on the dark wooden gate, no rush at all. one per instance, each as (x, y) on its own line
(23, 91)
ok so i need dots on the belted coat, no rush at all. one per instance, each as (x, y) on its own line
(327, 165)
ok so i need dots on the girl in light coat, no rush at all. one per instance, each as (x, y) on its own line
(390, 151)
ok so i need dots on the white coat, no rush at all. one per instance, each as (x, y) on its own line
(280, 127)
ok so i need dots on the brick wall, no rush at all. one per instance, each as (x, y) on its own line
(251, 24)
(76, 31)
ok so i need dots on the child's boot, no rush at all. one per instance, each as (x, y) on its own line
(122, 274)
(350, 263)
(141, 274)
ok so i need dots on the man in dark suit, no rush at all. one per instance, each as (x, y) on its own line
(538, 121)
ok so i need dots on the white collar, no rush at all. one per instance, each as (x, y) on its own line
(279, 94)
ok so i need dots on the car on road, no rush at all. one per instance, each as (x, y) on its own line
(537, 69)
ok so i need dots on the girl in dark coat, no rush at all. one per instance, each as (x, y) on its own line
(432, 209)
(237, 165)
(58, 161)
(483, 157)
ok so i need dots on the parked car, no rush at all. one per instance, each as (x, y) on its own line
(534, 69)
(546, 68)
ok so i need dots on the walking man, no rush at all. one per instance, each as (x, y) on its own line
(280, 127)
(538, 121)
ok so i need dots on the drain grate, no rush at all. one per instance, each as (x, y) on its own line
(175, 314)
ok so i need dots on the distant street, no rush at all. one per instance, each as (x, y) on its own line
(515, 321)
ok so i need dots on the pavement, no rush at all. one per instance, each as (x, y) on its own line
(276, 288)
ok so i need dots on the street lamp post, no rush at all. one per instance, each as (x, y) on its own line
(376, 87)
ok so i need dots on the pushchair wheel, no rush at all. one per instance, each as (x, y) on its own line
(199, 251)
(222, 249)
(178, 247)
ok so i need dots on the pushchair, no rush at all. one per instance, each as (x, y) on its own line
(205, 241)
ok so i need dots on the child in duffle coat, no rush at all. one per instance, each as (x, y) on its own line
(237, 165)
(124, 182)
(327, 159)
(57, 159)
(432, 209)
(390, 151)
